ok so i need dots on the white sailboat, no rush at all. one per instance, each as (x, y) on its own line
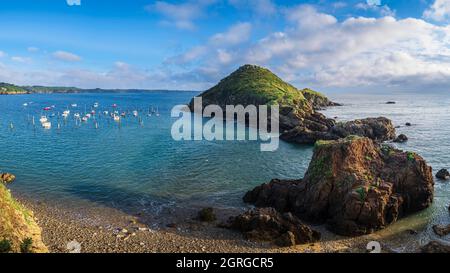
(47, 125)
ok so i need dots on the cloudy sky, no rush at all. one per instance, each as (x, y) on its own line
(398, 45)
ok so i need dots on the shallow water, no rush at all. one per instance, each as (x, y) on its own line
(139, 167)
(131, 166)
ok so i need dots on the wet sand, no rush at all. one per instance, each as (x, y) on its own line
(107, 230)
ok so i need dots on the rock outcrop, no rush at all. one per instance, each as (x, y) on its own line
(401, 138)
(441, 230)
(435, 247)
(18, 226)
(7, 178)
(355, 185)
(379, 129)
(443, 174)
(267, 224)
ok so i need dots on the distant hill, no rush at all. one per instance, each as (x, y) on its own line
(11, 89)
(251, 84)
(255, 85)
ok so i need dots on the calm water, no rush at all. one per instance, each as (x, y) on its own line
(138, 167)
(132, 166)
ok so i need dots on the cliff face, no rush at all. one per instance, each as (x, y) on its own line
(17, 225)
(355, 185)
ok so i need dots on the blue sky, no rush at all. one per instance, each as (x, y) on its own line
(328, 45)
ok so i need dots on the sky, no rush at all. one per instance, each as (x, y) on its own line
(365, 45)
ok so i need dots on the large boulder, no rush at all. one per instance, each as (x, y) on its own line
(443, 174)
(267, 224)
(7, 178)
(355, 185)
(379, 129)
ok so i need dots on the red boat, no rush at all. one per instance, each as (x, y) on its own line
(47, 108)
(114, 105)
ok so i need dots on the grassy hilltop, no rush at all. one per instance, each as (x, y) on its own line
(255, 85)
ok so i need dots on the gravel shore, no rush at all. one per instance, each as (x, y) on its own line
(103, 229)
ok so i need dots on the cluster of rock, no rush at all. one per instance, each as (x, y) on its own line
(267, 224)
(355, 185)
(316, 127)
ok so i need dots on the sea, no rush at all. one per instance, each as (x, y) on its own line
(136, 166)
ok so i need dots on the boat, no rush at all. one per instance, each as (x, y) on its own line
(84, 118)
(47, 125)
(135, 113)
(114, 105)
(25, 104)
(74, 105)
(105, 113)
(66, 113)
(76, 115)
(88, 115)
(93, 112)
(43, 119)
(116, 118)
(48, 108)
(157, 112)
(96, 105)
(123, 114)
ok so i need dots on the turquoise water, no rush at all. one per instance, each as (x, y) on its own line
(132, 166)
(139, 167)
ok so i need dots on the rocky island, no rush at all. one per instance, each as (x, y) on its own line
(300, 122)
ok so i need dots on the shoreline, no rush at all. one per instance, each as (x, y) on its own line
(101, 229)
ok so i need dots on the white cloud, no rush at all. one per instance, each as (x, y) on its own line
(383, 10)
(315, 49)
(181, 15)
(66, 56)
(236, 34)
(438, 11)
(2, 54)
(306, 17)
(221, 47)
(20, 59)
(73, 2)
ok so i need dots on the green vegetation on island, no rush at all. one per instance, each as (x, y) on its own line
(251, 84)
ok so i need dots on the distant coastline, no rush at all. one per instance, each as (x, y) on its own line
(11, 89)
